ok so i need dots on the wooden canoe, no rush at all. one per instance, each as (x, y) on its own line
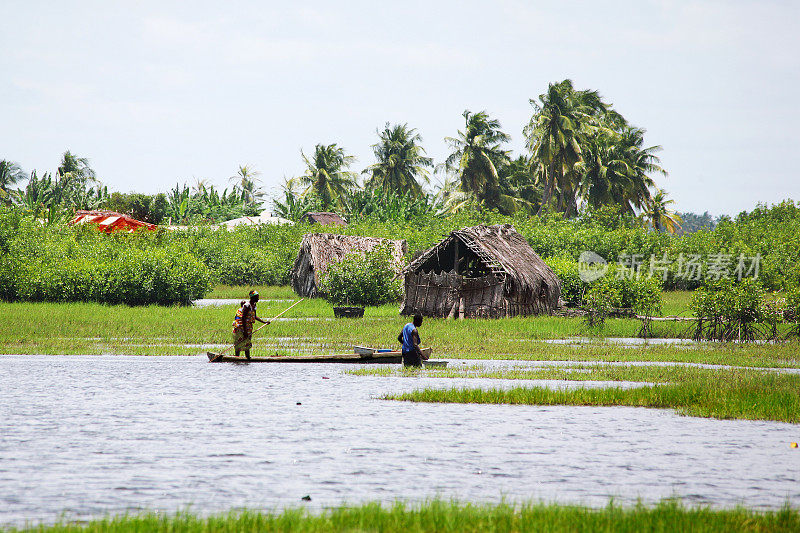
(375, 358)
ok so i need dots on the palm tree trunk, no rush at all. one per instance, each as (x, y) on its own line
(548, 187)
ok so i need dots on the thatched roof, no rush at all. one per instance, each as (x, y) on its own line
(503, 251)
(319, 250)
(325, 218)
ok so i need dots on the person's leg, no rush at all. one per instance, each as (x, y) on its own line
(237, 342)
(411, 359)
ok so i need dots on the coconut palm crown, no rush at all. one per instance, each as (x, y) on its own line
(327, 176)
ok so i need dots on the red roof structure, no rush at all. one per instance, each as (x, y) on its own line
(108, 221)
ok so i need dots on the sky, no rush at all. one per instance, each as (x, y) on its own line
(159, 93)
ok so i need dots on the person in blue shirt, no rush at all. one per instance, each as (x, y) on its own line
(411, 341)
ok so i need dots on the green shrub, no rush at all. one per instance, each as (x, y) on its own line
(361, 281)
(64, 264)
(603, 296)
(620, 287)
(572, 286)
(728, 311)
(642, 294)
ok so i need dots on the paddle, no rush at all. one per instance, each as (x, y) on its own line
(216, 356)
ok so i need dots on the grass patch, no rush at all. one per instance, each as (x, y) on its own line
(668, 515)
(92, 328)
(593, 372)
(241, 291)
(713, 394)
(676, 303)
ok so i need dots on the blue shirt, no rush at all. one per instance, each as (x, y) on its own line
(408, 342)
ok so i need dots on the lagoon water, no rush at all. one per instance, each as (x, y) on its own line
(85, 436)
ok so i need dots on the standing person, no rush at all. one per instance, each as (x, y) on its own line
(243, 325)
(411, 341)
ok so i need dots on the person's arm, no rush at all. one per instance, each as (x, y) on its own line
(252, 308)
(415, 338)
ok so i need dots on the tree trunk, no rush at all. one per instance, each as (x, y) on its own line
(548, 187)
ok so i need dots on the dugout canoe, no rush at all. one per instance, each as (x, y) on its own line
(374, 358)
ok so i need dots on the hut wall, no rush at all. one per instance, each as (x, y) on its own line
(449, 294)
(303, 279)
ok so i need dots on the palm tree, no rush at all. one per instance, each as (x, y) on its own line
(76, 167)
(660, 215)
(327, 176)
(200, 185)
(401, 161)
(451, 199)
(293, 206)
(520, 178)
(245, 180)
(562, 121)
(643, 162)
(39, 193)
(73, 175)
(10, 174)
(477, 154)
(607, 174)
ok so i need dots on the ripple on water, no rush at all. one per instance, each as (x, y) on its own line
(93, 435)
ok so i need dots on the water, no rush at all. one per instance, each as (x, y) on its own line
(222, 302)
(623, 341)
(89, 435)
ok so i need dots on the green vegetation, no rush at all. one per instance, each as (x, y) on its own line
(75, 186)
(452, 516)
(734, 312)
(363, 280)
(327, 177)
(400, 162)
(724, 395)
(577, 372)
(264, 255)
(91, 328)
(240, 291)
(83, 265)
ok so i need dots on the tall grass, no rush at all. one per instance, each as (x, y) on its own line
(578, 372)
(441, 516)
(723, 395)
(90, 328)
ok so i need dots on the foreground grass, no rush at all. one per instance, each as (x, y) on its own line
(442, 516)
(714, 394)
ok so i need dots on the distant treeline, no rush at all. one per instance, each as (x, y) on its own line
(57, 262)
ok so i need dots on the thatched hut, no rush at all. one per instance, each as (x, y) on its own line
(320, 250)
(482, 271)
(325, 218)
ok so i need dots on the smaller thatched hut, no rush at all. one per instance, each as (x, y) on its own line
(325, 218)
(482, 271)
(319, 250)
